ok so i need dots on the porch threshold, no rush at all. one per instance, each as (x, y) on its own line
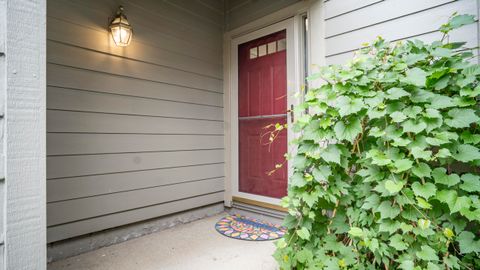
(256, 210)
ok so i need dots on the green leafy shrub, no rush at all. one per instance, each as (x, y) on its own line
(386, 169)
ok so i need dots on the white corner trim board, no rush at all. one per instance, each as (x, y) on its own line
(23, 94)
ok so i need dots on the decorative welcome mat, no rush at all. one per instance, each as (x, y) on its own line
(245, 228)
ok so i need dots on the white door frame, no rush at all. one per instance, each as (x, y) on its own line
(293, 73)
(314, 9)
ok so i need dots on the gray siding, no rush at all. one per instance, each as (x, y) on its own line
(132, 133)
(240, 12)
(349, 23)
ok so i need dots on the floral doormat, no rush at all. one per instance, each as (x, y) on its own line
(245, 228)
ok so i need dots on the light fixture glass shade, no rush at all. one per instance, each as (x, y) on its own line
(120, 29)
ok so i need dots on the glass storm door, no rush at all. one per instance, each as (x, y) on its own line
(262, 102)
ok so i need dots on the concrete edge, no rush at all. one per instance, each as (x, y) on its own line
(82, 244)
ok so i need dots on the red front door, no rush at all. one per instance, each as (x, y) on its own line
(262, 101)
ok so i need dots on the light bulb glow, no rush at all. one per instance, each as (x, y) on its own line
(121, 36)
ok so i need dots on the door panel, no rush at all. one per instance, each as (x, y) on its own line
(258, 158)
(262, 102)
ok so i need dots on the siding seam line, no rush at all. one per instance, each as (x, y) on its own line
(136, 152)
(391, 19)
(141, 115)
(135, 189)
(136, 208)
(205, 19)
(218, 11)
(172, 20)
(233, 8)
(134, 96)
(133, 133)
(142, 170)
(394, 40)
(350, 11)
(135, 78)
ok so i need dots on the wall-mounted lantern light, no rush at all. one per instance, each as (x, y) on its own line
(120, 29)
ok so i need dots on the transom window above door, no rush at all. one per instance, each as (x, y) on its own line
(268, 48)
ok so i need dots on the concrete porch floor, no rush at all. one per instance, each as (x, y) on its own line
(195, 245)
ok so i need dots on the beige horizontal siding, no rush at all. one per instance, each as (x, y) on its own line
(336, 8)
(76, 78)
(148, 16)
(75, 100)
(464, 34)
(201, 11)
(68, 230)
(393, 20)
(377, 14)
(83, 122)
(77, 35)
(240, 12)
(85, 186)
(86, 143)
(78, 165)
(137, 132)
(58, 53)
(88, 207)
